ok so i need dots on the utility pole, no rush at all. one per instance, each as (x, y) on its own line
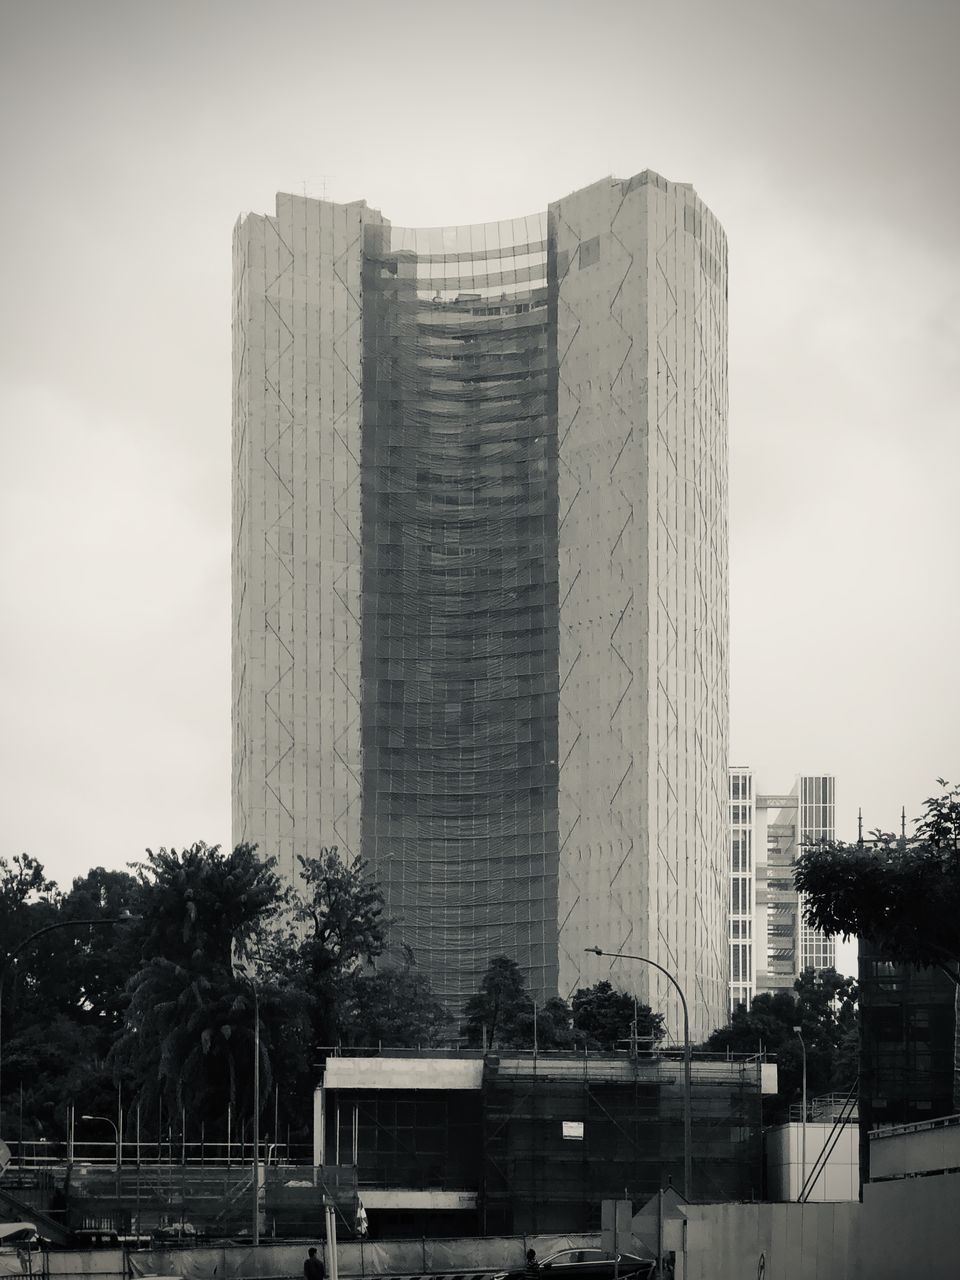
(803, 1125)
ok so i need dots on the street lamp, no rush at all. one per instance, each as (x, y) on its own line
(240, 973)
(116, 1134)
(803, 1123)
(38, 933)
(687, 1123)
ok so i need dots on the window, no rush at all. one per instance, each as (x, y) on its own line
(740, 851)
(739, 896)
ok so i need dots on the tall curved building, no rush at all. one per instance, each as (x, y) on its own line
(480, 577)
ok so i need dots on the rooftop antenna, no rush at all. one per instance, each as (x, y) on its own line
(860, 828)
(323, 186)
(903, 824)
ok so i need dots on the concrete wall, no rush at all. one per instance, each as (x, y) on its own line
(911, 1227)
(795, 1241)
(641, 411)
(915, 1150)
(355, 1258)
(839, 1180)
(903, 1229)
(403, 1073)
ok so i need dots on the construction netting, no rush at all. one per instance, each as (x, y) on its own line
(558, 1140)
(460, 597)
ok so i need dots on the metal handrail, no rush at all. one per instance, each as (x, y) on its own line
(918, 1126)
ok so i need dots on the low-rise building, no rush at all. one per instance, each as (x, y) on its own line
(522, 1142)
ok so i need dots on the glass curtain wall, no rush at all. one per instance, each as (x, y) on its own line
(460, 631)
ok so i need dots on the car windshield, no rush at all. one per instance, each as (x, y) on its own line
(568, 1257)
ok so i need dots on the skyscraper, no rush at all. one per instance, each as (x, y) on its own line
(480, 577)
(770, 942)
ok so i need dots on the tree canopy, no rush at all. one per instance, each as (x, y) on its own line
(502, 1013)
(824, 1007)
(900, 893)
(605, 1017)
(63, 992)
(189, 1016)
(599, 1017)
(393, 1005)
(159, 1005)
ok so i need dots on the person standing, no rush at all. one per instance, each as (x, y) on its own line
(313, 1266)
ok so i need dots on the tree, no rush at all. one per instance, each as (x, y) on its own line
(189, 1024)
(825, 1009)
(495, 1008)
(339, 925)
(603, 1017)
(27, 901)
(505, 1011)
(180, 1030)
(99, 961)
(901, 894)
(63, 994)
(342, 907)
(393, 1006)
(201, 904)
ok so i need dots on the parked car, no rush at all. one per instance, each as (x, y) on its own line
(586, 1264)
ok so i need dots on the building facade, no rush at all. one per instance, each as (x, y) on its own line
(480, 577)
(514, 1143)
(770, 943)
(909, 1046)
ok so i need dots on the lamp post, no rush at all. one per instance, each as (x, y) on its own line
(116, 1135)
(240, 973)
(116, 1132)
(256, 1114)
(8, 962)
(803, 1122)
(687, 1123)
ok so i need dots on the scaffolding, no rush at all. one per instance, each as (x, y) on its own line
(561, 1135)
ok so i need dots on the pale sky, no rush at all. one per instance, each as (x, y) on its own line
(823, 135)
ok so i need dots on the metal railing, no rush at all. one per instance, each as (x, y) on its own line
(40, 1153)
(822, 1109)
(645, 1045)
(918, 1126)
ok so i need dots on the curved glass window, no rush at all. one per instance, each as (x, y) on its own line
(460, 598)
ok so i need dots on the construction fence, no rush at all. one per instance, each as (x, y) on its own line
(465, 1258)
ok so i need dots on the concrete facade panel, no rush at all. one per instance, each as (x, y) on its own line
(296, 521)
(641, 347)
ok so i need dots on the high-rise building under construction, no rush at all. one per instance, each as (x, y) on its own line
(480, 577)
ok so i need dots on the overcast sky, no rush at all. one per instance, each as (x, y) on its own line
(825, 138)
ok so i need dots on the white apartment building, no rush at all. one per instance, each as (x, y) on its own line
(770, 945)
